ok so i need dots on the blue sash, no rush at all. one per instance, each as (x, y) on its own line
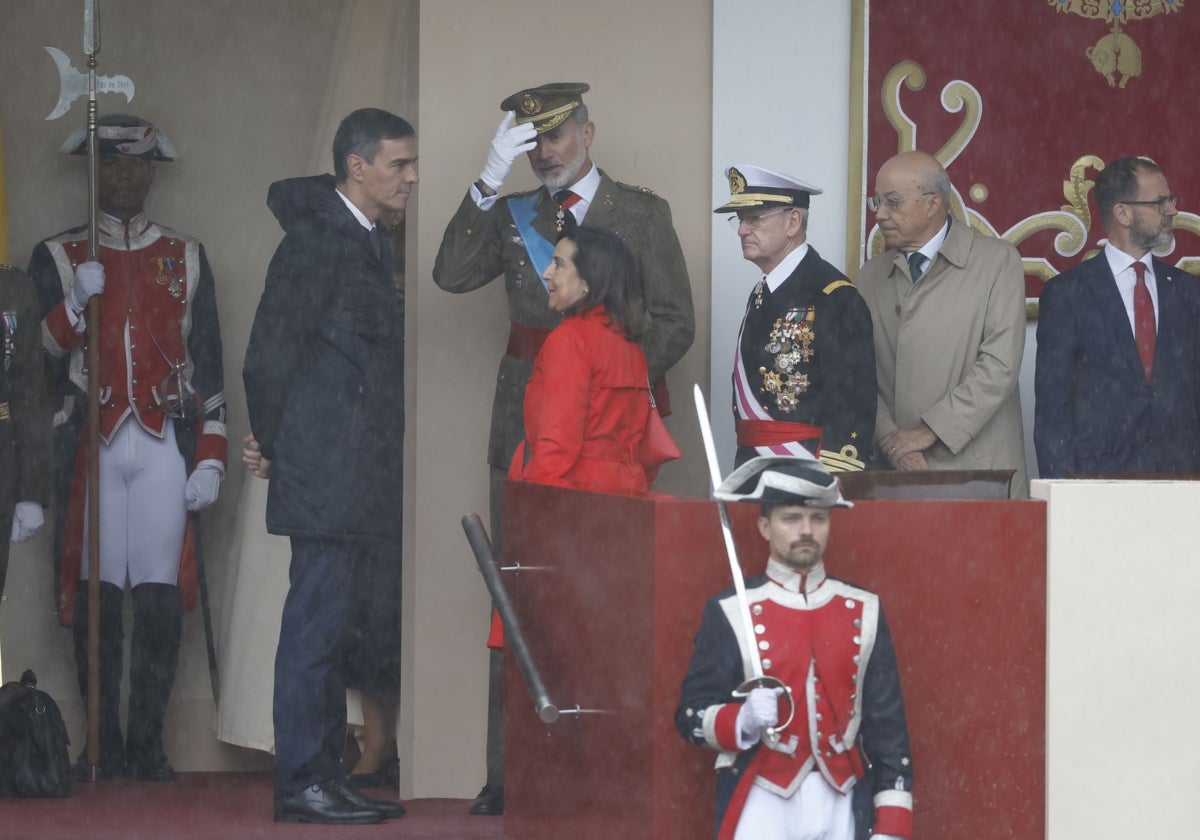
(539, 248)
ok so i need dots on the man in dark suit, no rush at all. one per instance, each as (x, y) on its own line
(1118, 344)
(804, 377)
(513, 236)
(324, 376)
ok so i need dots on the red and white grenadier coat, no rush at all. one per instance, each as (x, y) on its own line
(829, 642)
(158, 309)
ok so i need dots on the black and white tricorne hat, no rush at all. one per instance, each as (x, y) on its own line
(783, 479)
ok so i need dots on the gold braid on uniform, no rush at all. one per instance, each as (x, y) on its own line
(844, 461)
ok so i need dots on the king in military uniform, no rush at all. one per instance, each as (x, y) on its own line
(804, 376)
(513, 236)
(162, 424)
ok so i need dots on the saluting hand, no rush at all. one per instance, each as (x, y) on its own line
(508, 144)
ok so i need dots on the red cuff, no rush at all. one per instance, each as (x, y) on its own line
(725, 726)
(892, 819)
(212, 447)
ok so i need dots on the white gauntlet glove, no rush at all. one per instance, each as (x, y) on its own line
(760, 710)
(202, 487)
(27, 521)
(89, 280)
(508, 144)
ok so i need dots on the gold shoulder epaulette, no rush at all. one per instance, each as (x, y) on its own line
(836, 284)
(521, 193)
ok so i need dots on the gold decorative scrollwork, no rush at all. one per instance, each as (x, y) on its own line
(956, 96)
(912, 75)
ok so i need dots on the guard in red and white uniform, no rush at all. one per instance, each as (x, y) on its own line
(162, 424)
(840, 769)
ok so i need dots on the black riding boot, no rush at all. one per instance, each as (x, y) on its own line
(112, 636)
(153, 657)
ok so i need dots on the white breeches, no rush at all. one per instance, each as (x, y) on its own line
(142, 513)
(814, 812)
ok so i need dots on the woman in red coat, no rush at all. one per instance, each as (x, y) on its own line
(588, 399)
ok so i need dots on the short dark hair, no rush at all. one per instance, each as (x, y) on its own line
(1118, 182)
(361, 132)
(614, 281)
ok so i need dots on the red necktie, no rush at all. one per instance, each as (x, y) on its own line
(1143, 319)
(566, 200)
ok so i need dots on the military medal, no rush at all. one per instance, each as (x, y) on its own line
(166, 276)
(790, 343)
(758, 296)
(10, 329)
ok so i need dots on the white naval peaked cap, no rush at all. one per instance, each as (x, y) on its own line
(754, 186)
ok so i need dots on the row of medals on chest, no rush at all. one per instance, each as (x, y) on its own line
(790, 342)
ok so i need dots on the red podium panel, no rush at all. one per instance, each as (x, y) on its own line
(610, 596)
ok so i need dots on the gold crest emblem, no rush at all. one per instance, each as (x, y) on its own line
(531, 105)
(737, 182)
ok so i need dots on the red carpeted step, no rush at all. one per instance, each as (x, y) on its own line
(216, 806)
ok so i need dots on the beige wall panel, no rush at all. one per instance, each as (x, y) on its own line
(1121, 670)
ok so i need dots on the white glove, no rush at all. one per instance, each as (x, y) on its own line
(508, 144)
(760, 710)
(27, 521)
(887, 837)
(89, 280)
(202, 487)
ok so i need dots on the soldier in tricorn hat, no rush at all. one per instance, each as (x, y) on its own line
(839, 768)
(162, 427)
(804, 375)
(513, 236)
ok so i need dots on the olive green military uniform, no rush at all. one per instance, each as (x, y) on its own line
(480, 245)
(25, 416)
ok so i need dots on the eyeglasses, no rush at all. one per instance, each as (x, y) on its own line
(892, 204)
(1160, 203)
(753, 222)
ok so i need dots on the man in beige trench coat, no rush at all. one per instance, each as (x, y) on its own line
(948, 306)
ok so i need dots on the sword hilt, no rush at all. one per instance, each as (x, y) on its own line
(770, 734)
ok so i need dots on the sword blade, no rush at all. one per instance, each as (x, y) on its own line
(749, 641)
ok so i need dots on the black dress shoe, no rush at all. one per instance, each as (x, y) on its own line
(489, 802)
(323, 803)
(389, 808)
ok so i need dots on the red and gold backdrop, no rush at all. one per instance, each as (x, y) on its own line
(1022, 102)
